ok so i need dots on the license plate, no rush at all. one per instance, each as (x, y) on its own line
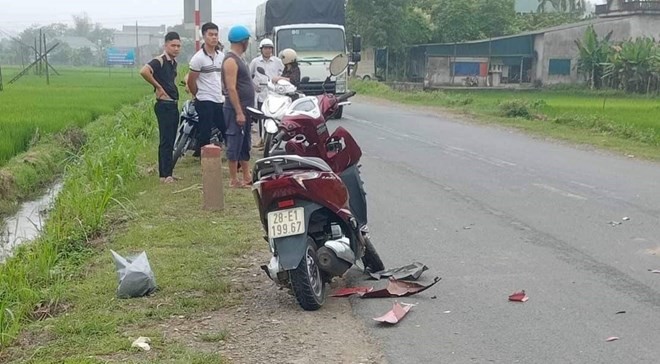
(288, 222)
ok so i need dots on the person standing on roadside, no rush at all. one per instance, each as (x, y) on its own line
(205, 84)
(238, 87)
(273, 68)
(161, 73)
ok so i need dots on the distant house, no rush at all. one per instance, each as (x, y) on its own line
(547, 55)
(148, 40)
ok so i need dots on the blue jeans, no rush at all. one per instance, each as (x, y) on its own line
(239, 138)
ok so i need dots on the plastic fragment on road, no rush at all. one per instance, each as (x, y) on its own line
(395, 315)
(396, 288)
(407, 272)
(519, 297)
(349, 291)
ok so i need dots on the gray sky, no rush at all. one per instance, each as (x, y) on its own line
(17, 15)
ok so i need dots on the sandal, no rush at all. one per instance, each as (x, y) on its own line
(236, 184)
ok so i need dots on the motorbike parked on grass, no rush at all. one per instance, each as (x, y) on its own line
(186, 138)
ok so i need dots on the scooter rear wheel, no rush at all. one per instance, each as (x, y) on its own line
(307, 282)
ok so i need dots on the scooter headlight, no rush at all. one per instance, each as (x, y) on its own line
(270, 126)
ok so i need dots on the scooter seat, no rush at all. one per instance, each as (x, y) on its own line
(277, 164)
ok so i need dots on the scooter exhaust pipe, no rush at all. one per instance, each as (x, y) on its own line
(330, 263)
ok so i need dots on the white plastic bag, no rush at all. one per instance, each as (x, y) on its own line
(135, 276)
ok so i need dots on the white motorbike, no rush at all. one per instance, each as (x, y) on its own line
(280, 97)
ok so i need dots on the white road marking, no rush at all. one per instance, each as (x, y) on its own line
(559, 191)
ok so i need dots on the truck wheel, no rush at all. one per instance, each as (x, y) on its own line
(366, 78)
(307, 282)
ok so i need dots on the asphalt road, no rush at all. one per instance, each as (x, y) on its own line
(492, 211)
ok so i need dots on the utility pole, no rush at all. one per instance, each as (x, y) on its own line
(137, 45)
(41, 51)
(36, 55)
(197, 24)
(46, 60)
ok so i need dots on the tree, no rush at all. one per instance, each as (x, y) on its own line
(82, 25)
(496, 17)
(61, 55)
(100, 35)
(456, 21)
(394, 24)
(632, 65)
(535, 21)
(593, 53)
(564, 6)
(82, 57)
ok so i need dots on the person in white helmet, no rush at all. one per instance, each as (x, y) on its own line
(291, 71)
(273, 67)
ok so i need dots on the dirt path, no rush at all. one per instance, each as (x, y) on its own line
(268, 325)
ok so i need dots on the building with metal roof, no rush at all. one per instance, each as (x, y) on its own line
(548, 55)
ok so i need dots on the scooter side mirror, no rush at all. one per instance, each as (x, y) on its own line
(338, 64)
(254, 112)
(261, 70)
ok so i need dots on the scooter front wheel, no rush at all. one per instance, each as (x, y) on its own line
(268, 144)
(180, 147)
(371, 259)
(307, 282)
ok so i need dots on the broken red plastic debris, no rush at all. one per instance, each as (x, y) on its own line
(612, 338)
(519, 296)
(348, 291)
(395, 315)
(396, 288)
(407, 272)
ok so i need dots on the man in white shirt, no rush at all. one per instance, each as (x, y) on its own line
(273, 67)
(205, 83)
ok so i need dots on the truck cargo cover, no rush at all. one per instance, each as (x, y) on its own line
(284, 12)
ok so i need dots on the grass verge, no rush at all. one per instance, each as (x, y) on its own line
(607, 119)
(191, 251)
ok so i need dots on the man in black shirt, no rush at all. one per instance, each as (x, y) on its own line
(161, 73)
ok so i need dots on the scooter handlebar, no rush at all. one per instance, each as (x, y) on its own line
(346, 96)
(279, 136)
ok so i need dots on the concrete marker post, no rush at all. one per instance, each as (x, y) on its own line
(212, 183)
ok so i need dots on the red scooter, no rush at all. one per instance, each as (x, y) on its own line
(311, 200)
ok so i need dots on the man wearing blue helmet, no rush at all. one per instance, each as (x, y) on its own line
(239, 90)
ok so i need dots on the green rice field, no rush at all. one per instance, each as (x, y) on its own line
(571, 113)
(29, 107)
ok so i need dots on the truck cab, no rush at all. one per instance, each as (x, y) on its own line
(315, 30)
(316, 45)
